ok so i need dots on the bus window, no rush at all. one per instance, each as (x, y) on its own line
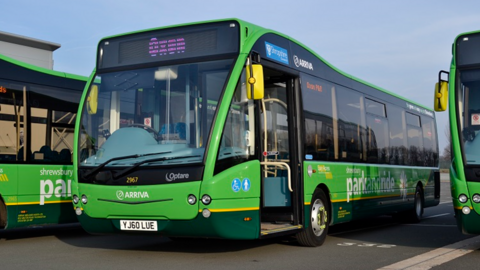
(12, 125)
(429, 142)
(377, 132)
(238, 138)
(398, 138)
(318, 106)
(53, 114)
(351, 124)
(415, 139)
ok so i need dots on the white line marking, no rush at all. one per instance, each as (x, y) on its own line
(439, 215)
(363, 229)
(437, 257)
(429, 225)
(445, 202)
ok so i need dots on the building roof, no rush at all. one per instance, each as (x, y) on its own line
(27, 41)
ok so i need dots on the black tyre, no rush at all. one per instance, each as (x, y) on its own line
(316, 232)
(415, 215)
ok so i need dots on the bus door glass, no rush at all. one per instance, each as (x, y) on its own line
(275, 144)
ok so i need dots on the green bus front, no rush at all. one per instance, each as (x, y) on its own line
(464, 114)
(145, 136)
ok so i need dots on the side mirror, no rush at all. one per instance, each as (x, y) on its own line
(255, 82)
(92, 100)
(441, 96)
(440, 99)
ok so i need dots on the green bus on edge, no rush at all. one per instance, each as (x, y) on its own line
(224, 129)
(462, 91)
(38, 108)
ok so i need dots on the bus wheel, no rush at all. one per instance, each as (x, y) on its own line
(316, 232)
(417, 212)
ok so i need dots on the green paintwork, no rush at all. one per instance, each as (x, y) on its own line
(358, 191)
(468, 224)
(36, 194)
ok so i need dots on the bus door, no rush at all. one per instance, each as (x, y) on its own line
(279, 159)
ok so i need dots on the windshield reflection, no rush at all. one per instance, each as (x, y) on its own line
(152, 110)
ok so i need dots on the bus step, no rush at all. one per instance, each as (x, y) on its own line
(271, 228)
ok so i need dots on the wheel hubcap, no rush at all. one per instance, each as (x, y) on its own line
(319, 217)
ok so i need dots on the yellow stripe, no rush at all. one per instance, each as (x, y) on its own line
(231, 209)
(460, 207)
(37, 203)
(363, 198)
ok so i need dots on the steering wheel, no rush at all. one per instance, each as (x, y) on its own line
(147, 128)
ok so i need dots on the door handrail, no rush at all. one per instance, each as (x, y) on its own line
(276, 163)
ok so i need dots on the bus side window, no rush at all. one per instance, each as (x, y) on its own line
(351, 114)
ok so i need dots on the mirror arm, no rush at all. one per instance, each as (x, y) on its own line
(251, 80)
(440, 77)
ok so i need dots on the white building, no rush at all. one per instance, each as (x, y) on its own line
(29, 50)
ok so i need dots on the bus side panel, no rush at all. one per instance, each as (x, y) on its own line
(359, 191)
(235, 203)
(333, 176)
(44, 195)
(432, 189)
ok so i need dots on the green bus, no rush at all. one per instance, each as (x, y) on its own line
(38, 108)
(224, 129)
(461, 89)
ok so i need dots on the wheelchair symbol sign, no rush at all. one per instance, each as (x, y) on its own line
(236, 185)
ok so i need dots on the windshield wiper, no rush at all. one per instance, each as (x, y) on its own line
(97, 169)
(129, 169)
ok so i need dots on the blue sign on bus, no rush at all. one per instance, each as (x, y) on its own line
(276, 53)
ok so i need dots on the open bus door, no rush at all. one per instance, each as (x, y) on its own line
(280, 205)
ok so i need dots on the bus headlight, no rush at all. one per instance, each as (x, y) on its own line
(75, 199)
(466, 210)
(462, 198)
(84, 199)
(192, 199)
(476, 198)
(206, 199)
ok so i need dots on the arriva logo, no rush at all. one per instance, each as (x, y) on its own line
(302, 63)
(132, 195)
(174, 176)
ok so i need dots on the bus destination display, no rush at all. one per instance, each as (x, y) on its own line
(166, 47)
(169, 44)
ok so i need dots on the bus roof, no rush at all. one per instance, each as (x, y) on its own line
(255, 32)
(42, 70)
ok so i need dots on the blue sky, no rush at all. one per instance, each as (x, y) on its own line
(397, 45)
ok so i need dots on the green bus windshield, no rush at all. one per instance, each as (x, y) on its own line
(468, 95)
(166, 109)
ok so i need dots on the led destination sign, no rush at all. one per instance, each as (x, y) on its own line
(169, 44)
(166, 47)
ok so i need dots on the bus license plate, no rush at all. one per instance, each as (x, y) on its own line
(138, 225)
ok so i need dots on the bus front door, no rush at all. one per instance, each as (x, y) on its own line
(279, 212)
